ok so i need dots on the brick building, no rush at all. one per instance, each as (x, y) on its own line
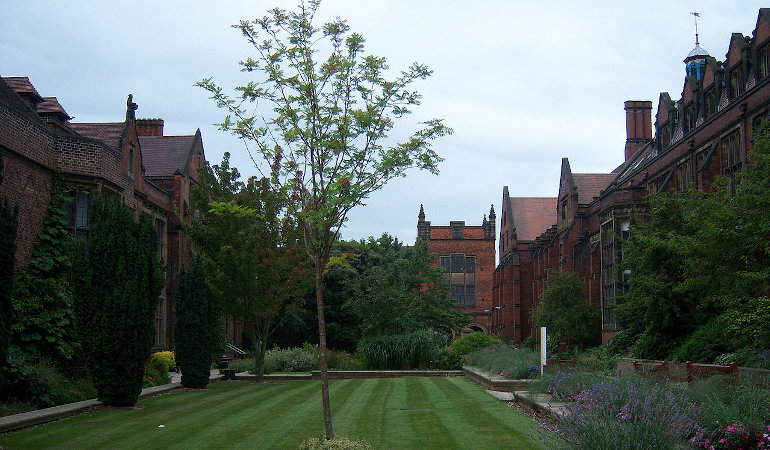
(467, 255)
(706, 133)
(131, 159)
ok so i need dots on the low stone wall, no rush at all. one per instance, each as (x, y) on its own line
(348, 374)
(494, 382)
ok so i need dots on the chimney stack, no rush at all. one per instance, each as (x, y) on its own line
(149, 127)
(638, 125)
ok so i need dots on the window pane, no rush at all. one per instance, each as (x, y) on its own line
(81, 209)
(458, 262)
(470, 264)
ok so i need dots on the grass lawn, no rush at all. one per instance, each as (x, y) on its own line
(435, 413)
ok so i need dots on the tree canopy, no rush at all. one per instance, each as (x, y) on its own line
(702, 261)
(321, 127)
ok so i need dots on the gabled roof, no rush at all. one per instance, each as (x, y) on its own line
(590, 185)
(109, 132)
(166, 155)
(51, 106)
(16, 103)
(531, 216)
(22, 85)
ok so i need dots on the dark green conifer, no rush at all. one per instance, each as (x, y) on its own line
(7, 260)
(117, 299)
(198, 318)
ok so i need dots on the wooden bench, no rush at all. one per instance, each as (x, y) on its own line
(704, 371)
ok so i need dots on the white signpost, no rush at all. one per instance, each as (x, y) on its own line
(543, 349)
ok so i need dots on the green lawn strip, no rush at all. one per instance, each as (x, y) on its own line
(397, 429)
(260, 421)
(481, 420)
(389, 413)
(110, 427)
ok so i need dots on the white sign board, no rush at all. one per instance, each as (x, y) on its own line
(543, 349)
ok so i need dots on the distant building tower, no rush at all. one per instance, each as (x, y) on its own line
(467, 255)
(695, 63)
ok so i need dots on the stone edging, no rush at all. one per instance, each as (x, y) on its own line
(40, 416)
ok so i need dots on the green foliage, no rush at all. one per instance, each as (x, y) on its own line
(472, 342)
(413, 350)
(395, 290)
(40, 382)
(116, 318)
(168, 357)
(291, 360)
(338, 443)
(43, 297)
(250, 250)
(8, 224)
(699, 256)
(706, 343)
(507, 361)
(156, 372)
(323, 144)
(198, 335)
(564, 308)
(529, 342)
(728, 403)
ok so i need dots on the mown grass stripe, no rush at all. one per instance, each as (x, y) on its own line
(482, 415)
(389, 413)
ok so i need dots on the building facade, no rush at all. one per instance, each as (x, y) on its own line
(130, 159)
(467, 255)
(690, 141)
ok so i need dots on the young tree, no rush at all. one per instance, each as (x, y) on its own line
(564, 308)
(324, 140)
(198, 337)
(117, 293)
(251, 249)
(8, 225)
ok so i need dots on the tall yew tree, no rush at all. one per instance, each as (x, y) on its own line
(119, 283)
(198, 334)
(7, 260)
(323, 139)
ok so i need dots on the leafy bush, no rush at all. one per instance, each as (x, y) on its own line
(338, 443)
(706, 343)
(746, 357)
(40, 382)
(243, 365)
(725, 403)
(509, 362)
(168, 357)
(415, 350)
(529, 342)
(621, 344)
(155, 371)
(472, 342)
(290, 360)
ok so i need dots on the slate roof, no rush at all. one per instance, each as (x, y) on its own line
(532, 216)
(166, 155)
(108, 132)
(590, 185)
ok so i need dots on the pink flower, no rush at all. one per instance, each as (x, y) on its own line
(731, 428)
(722, 441)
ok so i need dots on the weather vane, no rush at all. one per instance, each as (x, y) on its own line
(696, 14)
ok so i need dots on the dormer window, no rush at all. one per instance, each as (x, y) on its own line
(763, 62)
(710, 102)
(689, 118)
(737, 85)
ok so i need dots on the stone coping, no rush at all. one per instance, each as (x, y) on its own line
(347, 374)
(515, 390)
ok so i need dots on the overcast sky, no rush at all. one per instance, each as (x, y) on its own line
(522, 83)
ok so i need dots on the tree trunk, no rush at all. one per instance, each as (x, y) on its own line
(262, 349)
(259, 354)
(322, 344)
